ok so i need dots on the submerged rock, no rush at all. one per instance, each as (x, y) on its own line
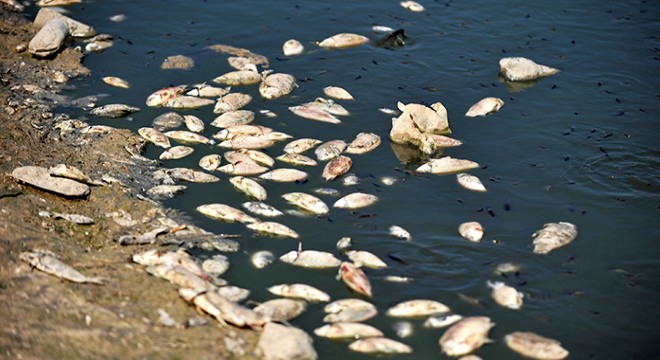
(523, 69)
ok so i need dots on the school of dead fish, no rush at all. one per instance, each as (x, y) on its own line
(250, 169)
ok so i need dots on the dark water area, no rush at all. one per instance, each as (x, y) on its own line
(580, 146)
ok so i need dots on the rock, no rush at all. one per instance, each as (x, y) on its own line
(423, 127)
(285, 343)
(523, 69)
(76, 28)
(39, 177)
(177, 62)
(49, 39)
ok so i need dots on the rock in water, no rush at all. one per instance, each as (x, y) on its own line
(523, 69)
(535, 346)
(39, 177)
(279, 342)
(552, 236)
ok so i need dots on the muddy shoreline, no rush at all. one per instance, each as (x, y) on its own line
(43, 316)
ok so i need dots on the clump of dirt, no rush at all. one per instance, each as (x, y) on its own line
(43, 316)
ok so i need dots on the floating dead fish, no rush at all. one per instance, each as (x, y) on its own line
(285, 175)
(231, 102)
(281, 309)
(292, 47)
(160, 97)
(154, 136)
(363, 143)
(505, 295)
(48, 262)
(187, 102)
(470, 182)
(232, 50)
(177, 62)
(413, 6)
(365, 258)
(261, 259)
(300, 291)
(523, 69)
(210, 162)
(233, 293)
(337, 167)
(355, 278)
(327, 191)
(337, 92)
(349, 310)
(399, 232)
(466, 335)
(207, 91)
(299, 146)
(114, 110)
(273, 228)
(217, 265)
(252, 142)
(344, 40)
(249, 156)
(350, 180)
(485, 106)
(344, 243)
(403, 329)
(241, 130)
(262, 209)
(330, 149)
(165, 191)
(249, 187)
(191, 175)
(441, 320)
(314, 114)
(231, 118)
(472, 231)
(552, 236)
(39, 177)
(238, 77)
(178, 258)
(446, 165)
(99, 43)
(347, 330)
(355, 200)
(417, 308)
(193, 123)
(307, 202)
(297, 159)
(73, 173)
(380, 345)
(506, 268)
(225, 213)
(311, 259)
(115, 81)
(327, 105)
(397, 279)
(242, 169)
(274, 86)
(168, 120)
(176, 152)
(74, 218)
(535, 346)
(241, 63)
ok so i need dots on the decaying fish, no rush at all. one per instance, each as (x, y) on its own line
(225, 213)
(165, 191)
(301, 145)
(399, 232)
(471, 230)
(210, 162)
(238, 117)
(273, 228)
(241, 63)
(228, 49)
(249, 187)
(535, 346)
(417, 308)
(523, 69)
(242, 168)
(327, 191)
(314, 114)
(347, 330)
(160, 97)
(441, 320)
(337, 167)
(179, 276)
(330, 149)
(344, 40)
(48, 262)
(179, 258)
(154, 136)
(349, 310)
(327, 105)
(365, 258)
(97, 129)
(262, 209)
(114, 110)
(231, 102)
(506, 268)
(261, 259)
(470, 182)
(307, 202)
(281, 309)
(355, 200)
(191, 175)
(505, 295)
(216, 265)
(485, 106)
(168, 120)
(344, 244)
(403, 329)
(252, 142)
(73, 218)
(222, 309)
(249, 155)
(207, 91)
(337, 92)
(466, 335)
(297, 159)
(397, 279)
(355, 278)
(274, 86)
(233, 293)
(350, 179)
(188, 137)
(380, 345)
(241, 130)
(115, 81)
(299, 291)
(193, 123)
(285, 175)
(413, 6)
(238, 77)
(71, 172)
(447, 165)
(552, 236)
(311, 259)
(187, 102)
(292, 47)
(363, 143)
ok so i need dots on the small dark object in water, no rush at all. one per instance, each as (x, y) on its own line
(393, 40)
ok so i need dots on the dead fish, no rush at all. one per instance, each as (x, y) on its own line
(262, 209)
(238, 117)
(299, 291)
(387, 111)
(285, 175)
(210, 162)
(252, 142)
(355, 200)
(217, 265)
(506, 268)
(446, 165)
(337, 92)
(470, 182)
(261, 259)
(207, 91)
(187, 102)
(441, 320)
(71, 172)
(114, 110)
(273, 228)
(355, 278)
(403, 329)
(193, 123)
(327, 105)
(274, 86)
(466, 335)
(363, 143)
(365, 258)
(382, 29)
(327, 191)
(268, 113)
(343, 40)
(552, 236)
(115, 81)
(292, 47)
(154, 136)
(399, 232)
(97, 129)
(249, 155)
(314, 114)
(349, 310)
(223, 310)
(337, 167)
(188, 137)
(380, 345)
(231, 102)
(179, 258)
(148, 237)
(330, 149)
(249, 187)
(535, 346)
(176, 152)
(297, 159)
(165, 191)
(191, 175)
(523, 69)
(48, 262)
(301, 145)
(238, 77)
(485, 106)
(307, 202)
(350, 180)
(472, 231)
(242, 169)
(397, 279)
(344, 243)
(241, 130)
(225, 213)
(311, 259)
(233, 293)
(347, 330)
(505, 295)
(168, 120)
(417, 308)
(281, 309)
(74, 218)
(160, 97)
(413, 6)
(278, 136)
(241, 63)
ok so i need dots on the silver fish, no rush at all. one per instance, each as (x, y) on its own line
(314, 114)
(275, 86)
(441, 320)
(344, 40)
(363, 143)
(187, 102)
(168, 120)
(207, 91)
(48, 262)
(188, 137)
(242, 169)
(193, 123)
(413, 6)
(115, 81)
(349, 310)
(154, 136)
(165, 191)
(328, 106)
(365, 258)
(485, 106)
(292, 47)
(297, 159)
(446, 165)
(241, 130)
(470, 182)
(307, 202)
(399, 232)
(337, 167)
(191, 175)
(217, 265)
(238, 77)
(249, 155)
(403, 329)
(210, 162)
(231, 102)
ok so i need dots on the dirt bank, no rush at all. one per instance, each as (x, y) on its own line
(43, 316)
